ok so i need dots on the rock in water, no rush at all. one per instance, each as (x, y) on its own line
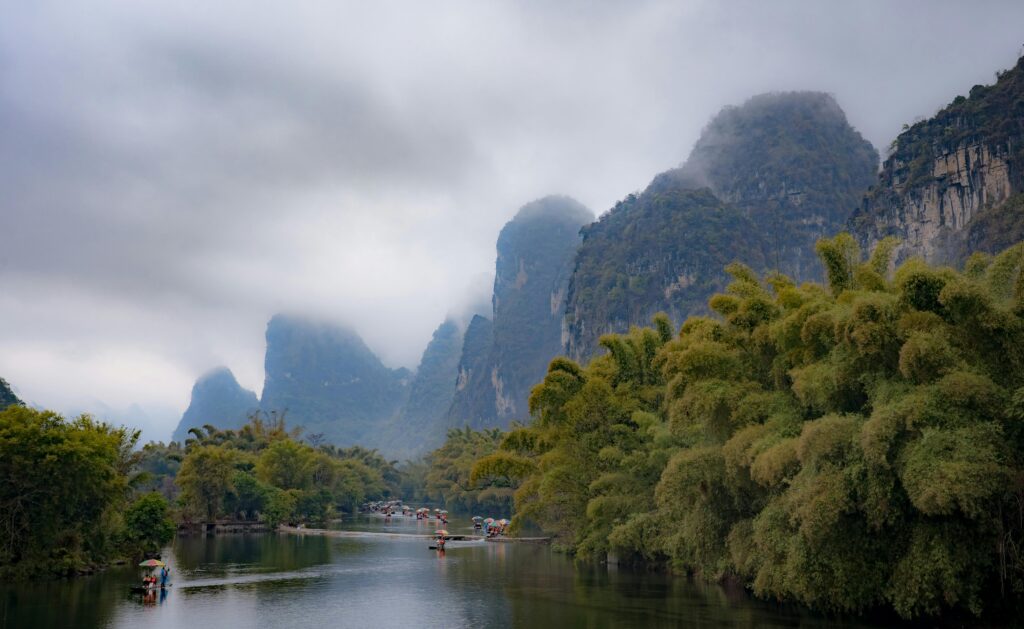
(325, 379)
(954, 184)
(218, 400)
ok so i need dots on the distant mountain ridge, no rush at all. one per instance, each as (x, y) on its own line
(219, 400)
(326, 379)
(421, 423)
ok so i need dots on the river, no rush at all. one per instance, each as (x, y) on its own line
(282, 580)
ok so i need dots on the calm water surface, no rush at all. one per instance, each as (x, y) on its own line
(279, 580)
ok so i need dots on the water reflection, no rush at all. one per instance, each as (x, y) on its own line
(272, 580)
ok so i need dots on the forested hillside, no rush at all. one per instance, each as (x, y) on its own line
(849, 446)
(779, 171)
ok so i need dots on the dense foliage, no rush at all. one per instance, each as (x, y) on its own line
(847, 446)
(445, 475)
(66, 495)
(264, 472)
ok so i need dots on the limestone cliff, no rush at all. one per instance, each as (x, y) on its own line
(793, 163)
(535, 251)
(952, 183)
(762, 184)
(473, 388)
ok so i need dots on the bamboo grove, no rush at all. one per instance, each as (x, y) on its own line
(851, 446)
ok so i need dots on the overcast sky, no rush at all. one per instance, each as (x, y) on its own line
(173, 173)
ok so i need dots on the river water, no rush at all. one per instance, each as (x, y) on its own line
(282, 580)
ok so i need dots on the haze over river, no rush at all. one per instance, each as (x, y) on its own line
(281, 580)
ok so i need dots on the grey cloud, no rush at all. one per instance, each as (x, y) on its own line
(171, 174)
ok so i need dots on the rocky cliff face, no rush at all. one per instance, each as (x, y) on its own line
(218, 400)
(535, 252)
(7, 396)
(762, 184)
(473, 388)
(328, 381)
(952, 184)
(421, 423)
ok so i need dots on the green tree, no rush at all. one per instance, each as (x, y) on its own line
(846, 448)
(147, 523)
(205, 479)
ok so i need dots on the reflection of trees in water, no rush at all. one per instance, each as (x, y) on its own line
(558, 593)
(79, 602)
(266, 550)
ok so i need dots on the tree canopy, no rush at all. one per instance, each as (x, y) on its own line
(848, 446)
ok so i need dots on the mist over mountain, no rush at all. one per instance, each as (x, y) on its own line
(954, 183)
(534, 261)
(793, 163)
(765, 180)
(219, 400)
(325, 379)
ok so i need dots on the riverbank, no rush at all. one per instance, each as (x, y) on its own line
(296, 530)
(236, 526)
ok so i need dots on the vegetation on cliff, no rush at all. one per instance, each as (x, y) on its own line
(421, 424)
(765, 180)
(793, 163)
(966, 158)
(661, 250)
(849, 446)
